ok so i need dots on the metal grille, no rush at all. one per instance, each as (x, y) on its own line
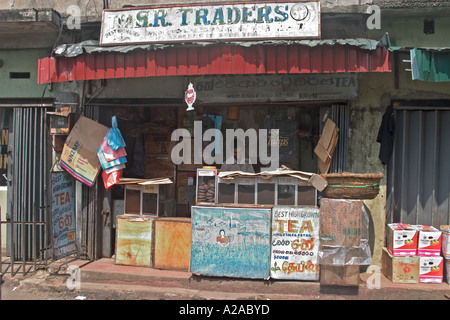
(419, 171)
(28, 236)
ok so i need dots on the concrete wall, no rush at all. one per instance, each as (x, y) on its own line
(376, 91)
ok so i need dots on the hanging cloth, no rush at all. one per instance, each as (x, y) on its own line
(386, 135)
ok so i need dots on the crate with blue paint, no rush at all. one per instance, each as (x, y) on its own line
(230, 241)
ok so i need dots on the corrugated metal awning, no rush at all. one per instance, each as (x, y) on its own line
(87, 61)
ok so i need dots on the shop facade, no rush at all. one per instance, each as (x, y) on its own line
(254, 84)
(290, 85)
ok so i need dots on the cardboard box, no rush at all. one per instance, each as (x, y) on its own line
(334, 275)
(445, 241)
(431, 269)
(341, 222)
(400, 269)
(326, 145)
(79, 155)
(401, 239)
(429, 241)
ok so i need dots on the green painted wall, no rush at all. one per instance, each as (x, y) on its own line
(22, 61)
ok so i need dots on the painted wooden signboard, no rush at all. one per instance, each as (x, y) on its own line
(203, 22)
(172, 243)
(63, 215)
(230, 242)
(295, 243)
(134, 240)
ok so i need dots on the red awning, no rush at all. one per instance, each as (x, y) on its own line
(214, 60)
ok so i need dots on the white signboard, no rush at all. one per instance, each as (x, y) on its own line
(184, 23)
(295, 243)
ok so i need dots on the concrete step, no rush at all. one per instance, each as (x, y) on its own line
(105, 271)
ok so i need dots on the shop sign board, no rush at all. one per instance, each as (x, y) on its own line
(230, 242)
(276, 88)
(211, 22)
(295, 243)
(63, 215)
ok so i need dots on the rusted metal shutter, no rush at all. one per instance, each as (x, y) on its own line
(418, 178)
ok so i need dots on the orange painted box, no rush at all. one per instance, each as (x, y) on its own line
(172, 243)
(401, 239)
(400, 269)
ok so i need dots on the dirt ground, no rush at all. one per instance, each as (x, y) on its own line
(56, 289)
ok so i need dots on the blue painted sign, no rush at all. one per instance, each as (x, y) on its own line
(63, 215)
(230, 242)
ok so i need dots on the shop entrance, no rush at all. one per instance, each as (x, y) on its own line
(147, 131)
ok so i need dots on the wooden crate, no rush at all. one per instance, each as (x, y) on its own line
(172, 243)
(134, 240)
(400, 269)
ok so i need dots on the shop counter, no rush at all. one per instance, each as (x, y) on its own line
(231, 241)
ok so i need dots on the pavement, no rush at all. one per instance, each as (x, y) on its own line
(105, 280)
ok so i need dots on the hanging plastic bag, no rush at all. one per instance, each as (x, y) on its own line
(112, 150)
(115, 168)
(114, 137)
(109, 153)
(110, 179)
(108, 164)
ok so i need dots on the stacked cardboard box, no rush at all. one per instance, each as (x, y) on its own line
(419, 245)
(343, 235)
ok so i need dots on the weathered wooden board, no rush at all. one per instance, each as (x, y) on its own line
(230, 242)
(172, 243)
(295, 243)
(134, 240)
